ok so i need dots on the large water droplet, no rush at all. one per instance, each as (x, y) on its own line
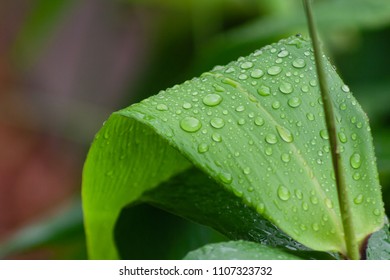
(356, 176)
(274, 70)
(187, 105)
(328, 203)
(190, 124)
(315, 227)
(298, 194)
(264, 90)
(285, 134)
(268, 151)
(286, 88)
(283, 193)
(243, 77)
(358, 199)
(310, 117)
(314, 199)
(299, 63)
(271, 138)
(212, 99)
(240, 108)
(257, 73)
(246, 65)
(217, 122)
(216, 137)
(218, 88)
(324, 134)
(294, 102)
(355, 160)
(345, 88)
(225, 177)
(202, 148)
(283, 53)
(343, 138)
(285, 157)
(162, 107)
(276, 105)
(259, 121)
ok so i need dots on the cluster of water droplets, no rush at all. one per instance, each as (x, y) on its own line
(250, 113)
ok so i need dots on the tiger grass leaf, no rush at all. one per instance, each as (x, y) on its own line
(256, 127)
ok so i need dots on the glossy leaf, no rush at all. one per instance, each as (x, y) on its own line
(255, 127)
(239, 250)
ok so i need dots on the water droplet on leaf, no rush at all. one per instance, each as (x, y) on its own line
(283, 193)
(212, 99)
(190, 124)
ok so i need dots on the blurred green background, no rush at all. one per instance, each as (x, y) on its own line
(66, 64)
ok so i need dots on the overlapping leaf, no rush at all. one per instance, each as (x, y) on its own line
(256, 128)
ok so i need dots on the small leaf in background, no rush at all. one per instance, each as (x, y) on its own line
(256, 127)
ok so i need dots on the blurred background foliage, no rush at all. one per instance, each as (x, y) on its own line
(66, 64)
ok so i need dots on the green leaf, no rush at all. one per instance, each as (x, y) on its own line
(379, 244)
(256, 128)
(239, 250)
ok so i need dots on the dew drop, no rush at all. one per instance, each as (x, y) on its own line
(190, 124)
(162, 107)
(345, 88)
(343, 138)
(305, 206)
(377, 212)
(283, 193)
(343, 106)
(299, 63)
(286, 88)
(216, 137)
(187, 105)
(285, 134)
(283, 53)
(260, 208)
(268, 151)
(358, 199)
(285, 158)
(257, 73)
(241, 121)
(212, 99)
(217, 122)
(264, 91)
(324, 134)
(243, 77)
(276, 105)
(274, 70)
(294, 102)
(202, 148)
(314, 199)
(218, 88)
(310, 117)
(356, 176)
(328, 203)
(315, 227)
(298, 194)
(259, 121)
(225, 177)
(271, 138)
(247, 170)
(246, 65)
(355, 160)
(240, 108)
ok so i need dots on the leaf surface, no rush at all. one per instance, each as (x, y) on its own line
(239, 250)
(256, 128)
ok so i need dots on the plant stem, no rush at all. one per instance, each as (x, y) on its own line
(344, 202)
